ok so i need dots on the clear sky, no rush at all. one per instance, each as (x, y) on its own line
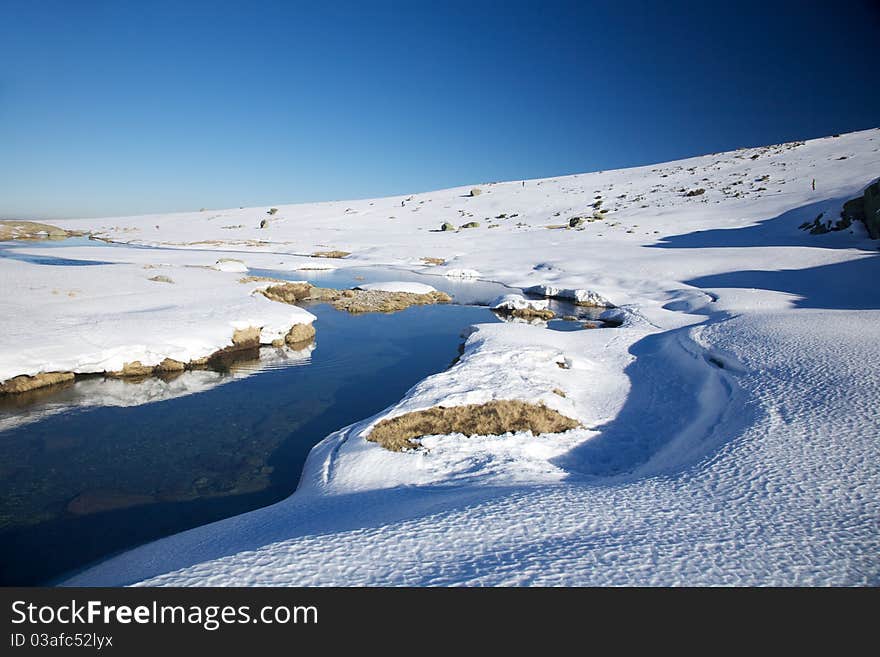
(115, 107)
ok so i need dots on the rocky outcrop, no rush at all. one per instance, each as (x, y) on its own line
(864, 208)
(26, 383)
(244, 341)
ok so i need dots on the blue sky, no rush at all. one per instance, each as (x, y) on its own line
(113, 107)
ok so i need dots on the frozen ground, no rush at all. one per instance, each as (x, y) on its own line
(729, 426)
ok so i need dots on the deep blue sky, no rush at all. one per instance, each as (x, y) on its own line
(127, 107)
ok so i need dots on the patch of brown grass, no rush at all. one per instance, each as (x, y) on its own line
(353, 301)
(490, 419)
(330, 254)
(434, 261)
(285, 292)
(378, 301)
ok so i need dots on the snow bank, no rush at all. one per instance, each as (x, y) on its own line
(517, 302)
(230, 265)
(398, 286)
(579, 296)
(88, 319)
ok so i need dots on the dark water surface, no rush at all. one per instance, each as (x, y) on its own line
(80, 481)
(102, 465)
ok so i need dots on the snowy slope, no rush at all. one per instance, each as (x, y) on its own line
(729, 426)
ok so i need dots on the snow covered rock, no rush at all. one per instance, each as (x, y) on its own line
(518, 306)
(230, 264)
(518, 302)
(580, 296)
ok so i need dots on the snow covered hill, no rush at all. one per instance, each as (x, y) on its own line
(728, 429)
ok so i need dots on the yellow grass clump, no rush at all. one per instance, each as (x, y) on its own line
(490, 419)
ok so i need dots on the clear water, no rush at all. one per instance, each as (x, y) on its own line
(102, 465)
(11, 251)
(79, 482)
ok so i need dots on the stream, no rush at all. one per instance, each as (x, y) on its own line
(102, 465)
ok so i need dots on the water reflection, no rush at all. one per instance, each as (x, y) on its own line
(107, 464)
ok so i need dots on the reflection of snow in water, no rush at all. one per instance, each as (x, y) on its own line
(23, 409)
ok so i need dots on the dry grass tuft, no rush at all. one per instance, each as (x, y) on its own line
(490, 419)
(434, 261)
(378, 301)
(286, 292)
(353, 301)
(330, 254)
(160, 279)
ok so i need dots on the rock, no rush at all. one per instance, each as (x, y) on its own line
(160, 279)
(865, 208)
(299, 334)
(574, 222)
(696, 192)
(579, 296)
(264, 223)
(246, 338)
(288, 292)
(271, 211)
(447, 226)
(330, 254)
(170, 365)
(516, 305)
(132, 369)
(24, 383)
(471, 224)
(476, 191)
